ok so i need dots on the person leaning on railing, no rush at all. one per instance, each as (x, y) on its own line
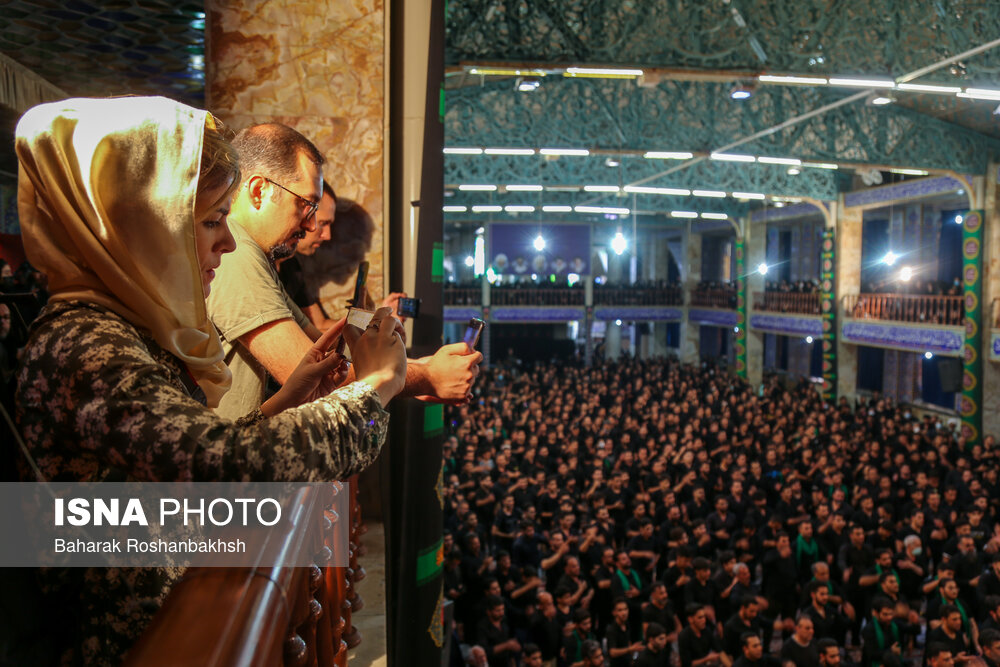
(123, 204)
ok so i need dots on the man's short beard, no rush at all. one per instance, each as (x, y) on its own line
(280, 251)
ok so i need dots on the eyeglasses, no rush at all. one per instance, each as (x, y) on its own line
(310, 205)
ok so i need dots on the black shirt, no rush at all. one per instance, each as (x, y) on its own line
(619, 637)
(692, 647)
(802, 656)
(294, 279)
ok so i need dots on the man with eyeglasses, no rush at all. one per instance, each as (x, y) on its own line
(263, 331)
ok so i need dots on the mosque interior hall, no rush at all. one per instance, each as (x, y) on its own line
(799, 196)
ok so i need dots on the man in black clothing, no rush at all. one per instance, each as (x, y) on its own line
(544, 630)
(701, 589)
(627, 583)
(696, 644)
(619, 636)
(573, 642)
(744, 621)
(660, 610)
(881, 634)
(800, 648)
(495, 636)
(827, 621)
(990, 612)
(949, 634)
(989, 641)
(829, 653)
(655, 653)
(939, 656)
(780, 579)
(753, 653)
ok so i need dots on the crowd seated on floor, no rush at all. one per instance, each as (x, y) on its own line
(650, 513)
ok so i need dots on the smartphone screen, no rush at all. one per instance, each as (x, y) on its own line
(409, 307)
(472, 332)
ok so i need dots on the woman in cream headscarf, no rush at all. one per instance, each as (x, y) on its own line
(123, 205)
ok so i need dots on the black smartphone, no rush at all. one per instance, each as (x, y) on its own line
(473, 331)
(359, 286)
(408, 307)
(356, 315)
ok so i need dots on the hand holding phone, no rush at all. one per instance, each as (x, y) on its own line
(472, 332)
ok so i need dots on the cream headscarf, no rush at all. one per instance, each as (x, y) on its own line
(106, 197)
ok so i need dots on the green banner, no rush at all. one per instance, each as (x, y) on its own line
(437, 262)
(972, 353)
(740, 343)
(429, 563)
(433, 420)
(828, 313)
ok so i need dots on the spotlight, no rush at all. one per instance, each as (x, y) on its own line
(928, 355)
(612, 162)
(809, 339)
(618, 243)
(762, 268)
(527, 84)
(736, 330)
(959, 219)
(890, 258)
(741, 91)
(470, 260)
(539, 243)
(880, 99)
(905, 274)
(794, 171)
(618, 323)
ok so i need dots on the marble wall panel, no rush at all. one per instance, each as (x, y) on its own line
(318, 67)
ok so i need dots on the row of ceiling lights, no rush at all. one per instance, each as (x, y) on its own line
(601, 210)
(529, 81)
(794, 164)
(628, 189)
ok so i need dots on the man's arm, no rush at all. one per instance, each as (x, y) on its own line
(319, 319)
(279, 346)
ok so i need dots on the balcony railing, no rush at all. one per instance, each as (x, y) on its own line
(786, 302)
(536, 296)
(463, 296)
(911, 308)
(638, 296)
(279, 615)
(714, 298)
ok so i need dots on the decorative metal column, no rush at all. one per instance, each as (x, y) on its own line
(740, 339)
(972, 278)
(828, 311)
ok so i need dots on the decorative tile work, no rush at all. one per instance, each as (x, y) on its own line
(922, 187)
(947, 341)
(788, 325)
(971, 405)
(461, 314)
(995, 346)
(535, 314)
(638, 313)
(719, 318)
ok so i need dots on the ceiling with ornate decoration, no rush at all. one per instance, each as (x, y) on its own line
(664, 101)
(652, 105)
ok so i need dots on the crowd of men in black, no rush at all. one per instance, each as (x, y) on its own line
(649, 513)
(792, 286)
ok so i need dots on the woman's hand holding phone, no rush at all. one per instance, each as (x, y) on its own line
(379, 354)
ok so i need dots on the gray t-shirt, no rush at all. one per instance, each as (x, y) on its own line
(246, 294)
